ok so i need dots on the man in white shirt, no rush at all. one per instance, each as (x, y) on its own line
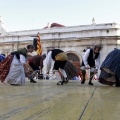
(91, 60)
(60, 58)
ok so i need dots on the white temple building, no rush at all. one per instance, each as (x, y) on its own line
(72, 39)
(2, 27)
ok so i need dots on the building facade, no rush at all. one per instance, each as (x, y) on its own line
(73, 39)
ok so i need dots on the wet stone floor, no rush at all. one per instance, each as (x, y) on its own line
(45, 100)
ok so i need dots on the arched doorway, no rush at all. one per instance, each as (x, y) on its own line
(74, 59)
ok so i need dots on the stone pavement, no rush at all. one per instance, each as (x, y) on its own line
(47, 101)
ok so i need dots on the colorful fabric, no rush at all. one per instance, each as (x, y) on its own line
(61, 56)
(106, 78)
(58, 56)
(70, 70)
(5, 67)
(39, 49)
(110, 68)
(60, 60)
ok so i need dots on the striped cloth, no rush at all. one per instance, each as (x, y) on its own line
(39, 48)
(110, 67)
(70, 70)
(106, 78)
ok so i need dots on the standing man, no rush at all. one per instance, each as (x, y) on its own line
(91, 60)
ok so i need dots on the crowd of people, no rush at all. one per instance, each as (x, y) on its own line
(22, 63)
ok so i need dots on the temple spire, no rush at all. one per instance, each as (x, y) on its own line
(93, 21)
(2, 28)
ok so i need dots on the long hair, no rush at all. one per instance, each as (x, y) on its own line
(98, 47)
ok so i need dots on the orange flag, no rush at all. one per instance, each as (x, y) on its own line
(39, 49)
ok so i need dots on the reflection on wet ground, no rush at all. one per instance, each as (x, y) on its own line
(47, 101)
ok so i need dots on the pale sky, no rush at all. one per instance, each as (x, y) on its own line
(35, 14)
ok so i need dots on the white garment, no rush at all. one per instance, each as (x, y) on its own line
(49, 63)
(85, 58)
(63, 72)
(16, 74)
(22, 59)
(49, 60)
(91, 69)
(29, 55)
(58, 75)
